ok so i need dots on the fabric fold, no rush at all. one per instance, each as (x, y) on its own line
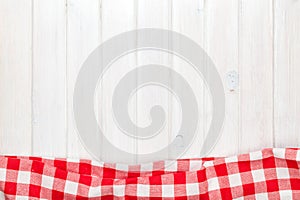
(266, 174)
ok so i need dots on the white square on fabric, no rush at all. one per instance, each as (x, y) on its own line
(147, 167)
(213, 184)
(143, 190)
(232, 159)
(119, 190)
(235, 180)
(258, 175)
(261, 196)
(256, 155)
(21, 197)
(195, 165)
(71, 187)
(282, 173)
(122, 167)
(3, 174)
(298, 156)
(97, 163)
(167, 190)
(279, 153)
(24, 177)
(192, 189)
(171, 166)
(47, 182)
(286, 194)
(94, 192)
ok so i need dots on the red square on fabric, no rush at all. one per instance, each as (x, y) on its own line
(157, 173)
(107, 181)
(109, 172)
(13, 164)
(36, 158)
(34, 191)
(127, 197)
(61, 174)
(86, 180)
(37, 167)
(85, 168)
(292, 164)
(60, 164)
(221, 170)
(249, 189)
(295, 184)
(132, 180)
(133, 174)
(244, 166)
(272, 185)
(226, 193)
(269, 162)
(155, 180)
(57, 194)
(179, 178)
(204, 196)
(201, 175)
(10, 188)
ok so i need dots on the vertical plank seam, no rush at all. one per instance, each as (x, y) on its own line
(136, 10)
(240, 10)
(205, 47)
(66, 79)
(31, 84)
(100, 40)
(273, 73)
(170, 62)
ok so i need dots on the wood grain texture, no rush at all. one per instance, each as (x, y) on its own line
(256, 74)
(43, 44)
(287, 71)
(117, 16)
(15, 76)
(153, 14)
(184, 14)
(49, 134)
(221, 24)
(83, 36)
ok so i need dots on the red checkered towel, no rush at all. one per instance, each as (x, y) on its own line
(266, 174)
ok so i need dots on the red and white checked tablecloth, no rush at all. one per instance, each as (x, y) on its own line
(266, 174)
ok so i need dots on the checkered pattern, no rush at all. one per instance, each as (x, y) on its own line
(266, 174)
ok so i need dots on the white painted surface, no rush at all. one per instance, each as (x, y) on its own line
(287, 71)
(49, 78)
(15, 76)
(43, 46)
(222, 45)
(83, 36)
(256, 74)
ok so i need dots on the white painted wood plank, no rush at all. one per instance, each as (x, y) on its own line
(117, 17)
(49, 78)
(153, 14)
(286, 73)
(222, 46)
(188, 20)
(256, 74)
(15, 76)
(83, 36)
